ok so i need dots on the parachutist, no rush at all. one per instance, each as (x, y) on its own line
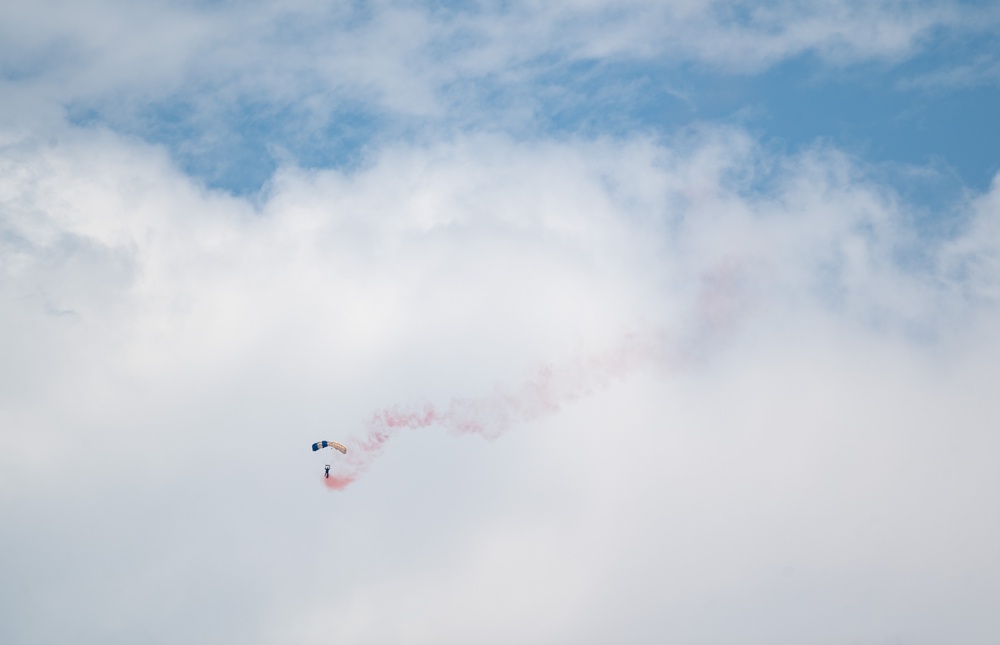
(339, 447)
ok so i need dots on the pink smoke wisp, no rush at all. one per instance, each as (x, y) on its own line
(544, 394)
(337, 482)
(718, 306)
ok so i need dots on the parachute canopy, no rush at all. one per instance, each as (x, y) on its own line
(330, 444)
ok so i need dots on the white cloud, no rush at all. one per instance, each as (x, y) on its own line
(804, 449)
(814, 459)
(403, 58)
(984, 70)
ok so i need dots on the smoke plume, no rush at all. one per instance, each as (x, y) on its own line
(554, 385)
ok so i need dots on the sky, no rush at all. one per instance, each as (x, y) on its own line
(642, 322)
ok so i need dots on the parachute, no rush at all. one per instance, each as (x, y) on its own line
(330, 444)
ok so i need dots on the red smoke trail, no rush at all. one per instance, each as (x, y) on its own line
(338, 482)
(553, 386)
(542, 395)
